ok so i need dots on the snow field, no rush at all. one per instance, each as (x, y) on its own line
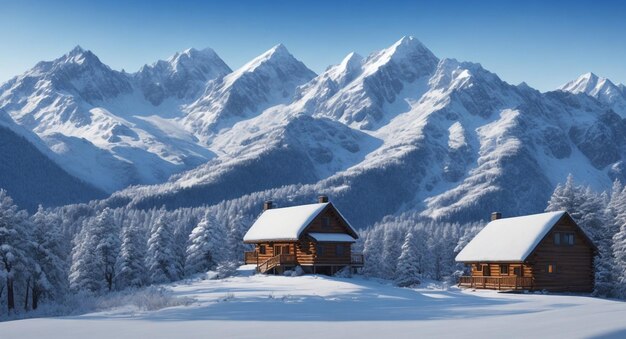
(313, 306)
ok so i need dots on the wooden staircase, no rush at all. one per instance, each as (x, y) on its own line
(275, 261)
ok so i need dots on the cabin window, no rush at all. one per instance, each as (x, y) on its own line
(517, 271)
(564, 238)
(339, 250)
(479, 267)
(557, 238)
(568, 239)
(326, 222)
(286, 249)
(504, 269)
(262, 249)
(320, 250)
(551, 268)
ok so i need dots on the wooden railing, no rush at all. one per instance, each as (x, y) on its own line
(281, 259)
(356, 259)
(251, 257)
(497, 283)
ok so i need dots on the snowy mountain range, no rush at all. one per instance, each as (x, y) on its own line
(397, 130)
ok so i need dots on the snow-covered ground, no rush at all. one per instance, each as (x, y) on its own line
(317, 306)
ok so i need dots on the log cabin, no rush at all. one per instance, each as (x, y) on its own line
(546, 251)
(315, 237)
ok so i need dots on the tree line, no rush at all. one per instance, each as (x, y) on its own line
(91, 248)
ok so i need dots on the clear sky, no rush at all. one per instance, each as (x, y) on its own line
(542, 44)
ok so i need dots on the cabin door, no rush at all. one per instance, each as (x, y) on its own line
(487, 270)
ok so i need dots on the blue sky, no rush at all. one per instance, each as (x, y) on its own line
(542, 44)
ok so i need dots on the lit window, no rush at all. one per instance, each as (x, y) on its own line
(551, 268)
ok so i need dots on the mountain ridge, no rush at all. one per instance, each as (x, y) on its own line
(415, 131)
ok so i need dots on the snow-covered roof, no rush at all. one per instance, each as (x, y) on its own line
(332, 237)
(509, 239)
(285, 223)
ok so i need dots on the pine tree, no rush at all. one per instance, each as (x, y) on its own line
(95, 254)
(393, 237)
(408, 271)
(205, 245)
(373, 252)
(132, 270)
(160, 259)
(619, 253)
(604, 262)
(15, 243)
(50, 271)
(234, 239)
(566, 198)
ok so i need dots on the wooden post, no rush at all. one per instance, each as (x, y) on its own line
(499, 284)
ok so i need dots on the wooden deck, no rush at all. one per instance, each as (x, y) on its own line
(357, 260)
(497, 283)
(264, 265)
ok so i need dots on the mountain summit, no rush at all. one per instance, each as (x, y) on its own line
(602, 89)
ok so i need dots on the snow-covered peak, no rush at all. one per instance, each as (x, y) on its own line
(407, 50)
(77, 50)
(277, 56)
(592, 85)
(183, 75)
(269, 79)
(599, 88)
(80, 56)
(193, 55)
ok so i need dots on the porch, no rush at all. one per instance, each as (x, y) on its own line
(497, 283)
(265, 264)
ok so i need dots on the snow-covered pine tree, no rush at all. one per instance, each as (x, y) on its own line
(234, 238)
(592, 214)
(604, 262)
(205, 245)
(566, 197)
(373, 251)
(619, 254)
(408, 271)
(131, 271)
(393, 237)
(15, 245)
(95, 253)
(49, 253)
(160, 258)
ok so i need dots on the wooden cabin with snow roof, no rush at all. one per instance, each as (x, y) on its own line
(546, 251)
(315, 237)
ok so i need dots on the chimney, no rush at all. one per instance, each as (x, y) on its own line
(496, 216)
(268, 205)
(322, 199)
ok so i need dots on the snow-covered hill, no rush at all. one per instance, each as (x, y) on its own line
(318, 306)
(31, 176)
(400, 126)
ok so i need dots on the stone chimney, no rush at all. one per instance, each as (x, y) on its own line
(496, 216)
(322, 199)
(268, 205)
